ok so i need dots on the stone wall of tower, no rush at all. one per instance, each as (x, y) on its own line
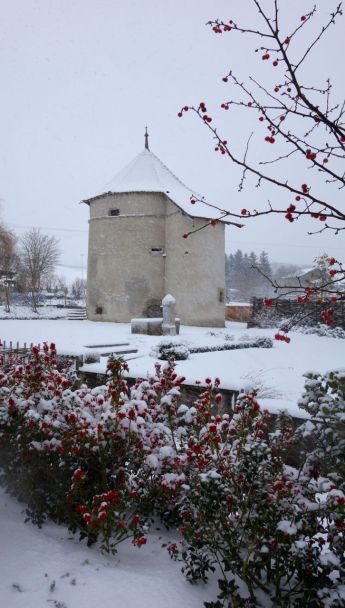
(127, 279)
(195, 269)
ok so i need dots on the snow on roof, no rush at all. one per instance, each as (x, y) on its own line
(147, 173)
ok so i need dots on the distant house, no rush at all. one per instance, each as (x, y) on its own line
(307, 278)
(137, 253)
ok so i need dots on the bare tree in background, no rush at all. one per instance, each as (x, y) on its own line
(78, 288)
(8, 262)
(39, 256)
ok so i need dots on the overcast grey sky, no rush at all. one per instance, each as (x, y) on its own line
(80, 79)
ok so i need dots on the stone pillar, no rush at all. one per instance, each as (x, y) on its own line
(169, 306)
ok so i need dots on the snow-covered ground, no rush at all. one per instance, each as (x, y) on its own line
(48, 567)
(277, 372)
(26, 312)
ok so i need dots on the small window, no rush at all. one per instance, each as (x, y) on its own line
(157, 250)
(221, 296)
(114, 212)
(99, 310)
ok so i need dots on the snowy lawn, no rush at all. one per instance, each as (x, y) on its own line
(276, 372)
(26, 312)
(49, 567)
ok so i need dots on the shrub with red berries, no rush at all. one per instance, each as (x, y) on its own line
(105, 461)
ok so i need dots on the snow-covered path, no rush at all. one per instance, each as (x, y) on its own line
(48, 567)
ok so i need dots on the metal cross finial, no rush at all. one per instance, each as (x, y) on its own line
(146, 139)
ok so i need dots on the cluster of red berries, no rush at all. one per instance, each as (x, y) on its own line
(282, 338)
(327, 316)
(225, 106)
(318, 216)
(310, 155)
(220, 28)
(142, 540)
(268, 303)
(270, 140)
(265, 56)
(220, 147)
(289, 213)
(184, 109)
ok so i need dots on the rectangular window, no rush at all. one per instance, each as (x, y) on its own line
(157, 250)
(221, 296)
(114, 212)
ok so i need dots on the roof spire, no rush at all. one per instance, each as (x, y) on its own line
(146, 139)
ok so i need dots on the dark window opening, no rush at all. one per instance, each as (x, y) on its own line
(221, 296)
(114, 212)
(99, 310)
(157, 250)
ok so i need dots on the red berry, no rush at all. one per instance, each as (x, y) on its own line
(244, 212)
(186, 108)
(225, 79)
(179, 114)
(303, 18)
(275, 63)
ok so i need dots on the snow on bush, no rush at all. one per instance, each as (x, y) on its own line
(178, 350)
(323, 330)
(168, 349)
(107, 461)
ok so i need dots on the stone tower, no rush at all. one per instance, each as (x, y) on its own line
(137, 253)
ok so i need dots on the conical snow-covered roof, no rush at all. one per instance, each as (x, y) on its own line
(147, 173)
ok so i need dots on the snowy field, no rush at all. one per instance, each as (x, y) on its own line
(277, 372)
(48, 567)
